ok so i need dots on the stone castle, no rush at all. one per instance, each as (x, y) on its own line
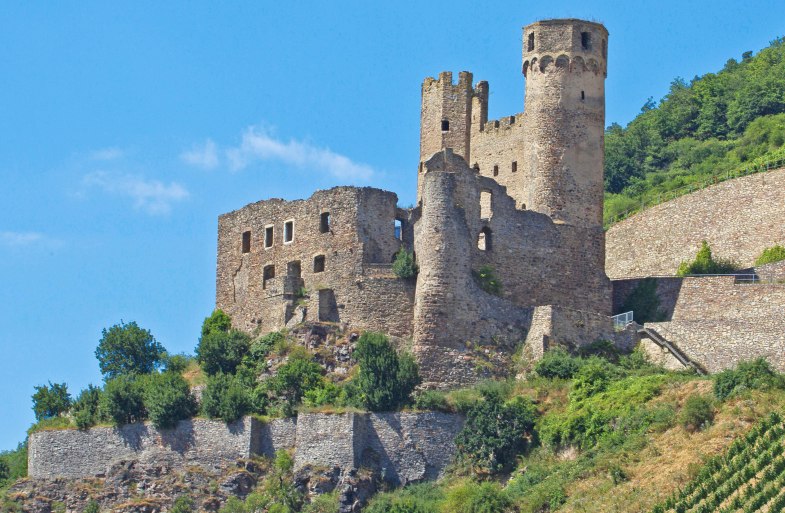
(522, 195)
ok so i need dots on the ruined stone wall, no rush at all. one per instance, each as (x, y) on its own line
(738, 218)
(360, 233)
(497, 152)
(206, 443)
(402, 447)
(564, 62)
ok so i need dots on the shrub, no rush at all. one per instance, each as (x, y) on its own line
(756, 374)
(432, 400)
(168, 399)
(93, 507)
(86, 408)
(128, 349)
(471, 497)
(486, 278)
(771, 255)
(217, 322)
(15, 462)
(385, 380)
(601, 348)
(177, 362)
(123, 400)
(183, 504)
(327, 393)
(225, 397)
(705, 263)
(644, 302)
(325, 503)
(495, 433)
(51, 401)
(220, 351)
(593, 377)
(557, 363)
(297, 376)
(418, 498)
(404, 265)
(697, 413)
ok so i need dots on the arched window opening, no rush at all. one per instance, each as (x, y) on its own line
(484, 242)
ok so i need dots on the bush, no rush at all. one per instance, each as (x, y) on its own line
(697, 413)
(404, 265)
(183, 504)
(327, 393)
(557, 363)
(225, 397)
(220, 351)
(51, 401)
(325, 503)
(705, 263)
(644, 302)
(297, 376)
(177, 362)
(218, 322)
(15, 463)
(771, 255)
(495, 433)
(487, 280)
(593, 377)
(474, 497)
(756, 374)
(93, 507)
(168, 399)
(128, 349)
(86, 408)
(123, 400)
(432, 400)
(418, 498)
(385, 380)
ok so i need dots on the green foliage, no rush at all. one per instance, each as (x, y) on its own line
(418, 498)
(432, 400)
(496, 432)
(486, 278)
(217, 322)
(14, 464)
(297, 376)
(756, 374)
(177, 362)
(644, 302)
(86, 408)
(128, 349)
(771, 255)
(404, 266)
(557, 363)
(705, 263)
(123, 400)
(471, 497)
(325, 503)
(225, 397)
(326, 393)
(222, 351)
(168, 399)
(51, 401)
(93, 507)
(386, 379)
(697, 412)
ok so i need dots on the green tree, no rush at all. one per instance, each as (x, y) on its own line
(128, 349)
(218, 321)
(496, 432)
(86, 408)
(705, 263)
(404, 265)
(385, 380)
(168, 399)
(297, 376)
(222, 351)
(644, 302)
(225, 397)
(51, 401)
(123, 400)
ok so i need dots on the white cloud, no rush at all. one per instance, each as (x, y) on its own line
(204, 156)
(17, 239)
(152, 196)
(258, 144)
(107, 154)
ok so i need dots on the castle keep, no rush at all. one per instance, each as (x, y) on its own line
(522, 196)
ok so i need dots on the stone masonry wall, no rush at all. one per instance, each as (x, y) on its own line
(206, 443)
(738, 218)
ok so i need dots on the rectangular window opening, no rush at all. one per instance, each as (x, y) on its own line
(267, 274)
(294, 269)
(318, 263)
(324, 222)
(247, 242)
(514, 166)
(445, 125)
(583, 95)
(398, 229)
(530, 46)
(288, 231)
(586, 40)
(486, 204)
(268, 237)
(495, 170)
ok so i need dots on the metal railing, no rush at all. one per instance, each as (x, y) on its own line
(692, 187)
(621, 320)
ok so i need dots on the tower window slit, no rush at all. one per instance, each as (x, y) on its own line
(247, 242)
(445, 125)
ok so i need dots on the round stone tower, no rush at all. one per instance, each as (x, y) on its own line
(564, 62)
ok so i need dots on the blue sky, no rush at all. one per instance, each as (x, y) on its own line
(128, 127)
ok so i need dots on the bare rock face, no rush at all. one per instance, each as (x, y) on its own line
(134, 487)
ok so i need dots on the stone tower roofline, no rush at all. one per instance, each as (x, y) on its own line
(544, 44)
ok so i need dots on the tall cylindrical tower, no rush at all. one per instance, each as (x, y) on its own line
(564, 62)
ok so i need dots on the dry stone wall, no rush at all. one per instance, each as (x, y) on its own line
(738, 218)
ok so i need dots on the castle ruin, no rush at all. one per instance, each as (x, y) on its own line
(522, 196)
